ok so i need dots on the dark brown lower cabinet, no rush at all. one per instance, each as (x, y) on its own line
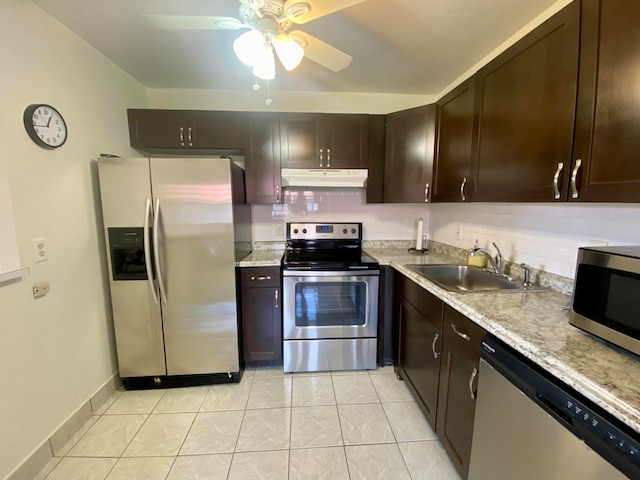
(458, 386)
(261, 314)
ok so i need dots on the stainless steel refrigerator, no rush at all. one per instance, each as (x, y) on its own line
(174, 228)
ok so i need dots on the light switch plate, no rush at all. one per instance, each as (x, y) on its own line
(40, 289)
(40, 249)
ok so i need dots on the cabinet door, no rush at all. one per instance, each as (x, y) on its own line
(159, 128)
(607, 142)
(409, 155)
(375, 162)
(261, 314)
(262, 158)
(458, 384)
(525, 105)
(454, 124)
(346, 138)
(301, 140)
(218, 130)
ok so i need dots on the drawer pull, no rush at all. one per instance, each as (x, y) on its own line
(556, 177)
(276, 297)
(321, 153)
(459, 333)
(426, 193)
(268, 277)
(189, 137)
(574, 176)
(433, 346)
(471, 379)
(182, 136)
(328, 157)
(464, 182)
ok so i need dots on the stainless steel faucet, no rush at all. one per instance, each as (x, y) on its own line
(497, 264)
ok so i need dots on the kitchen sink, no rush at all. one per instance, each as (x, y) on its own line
(465, 279)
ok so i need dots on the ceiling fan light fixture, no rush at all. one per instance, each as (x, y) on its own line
(298, 10)
(265, 66)
(288, 51)
(249, 47)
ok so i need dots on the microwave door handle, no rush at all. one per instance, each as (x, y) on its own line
(156, 251)
(147, 250)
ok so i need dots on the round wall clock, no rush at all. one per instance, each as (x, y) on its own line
(45, 126)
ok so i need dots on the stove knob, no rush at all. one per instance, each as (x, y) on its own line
(344, 231)
(295, 230)
(353, 230)
(304, 230)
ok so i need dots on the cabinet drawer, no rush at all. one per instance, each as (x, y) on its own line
(426, 303)
(256, 277)
(462, 332)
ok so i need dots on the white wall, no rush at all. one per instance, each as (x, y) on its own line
(55, 352)
(380, 221)
(546, 236)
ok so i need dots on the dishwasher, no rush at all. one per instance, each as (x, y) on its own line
(530, 425)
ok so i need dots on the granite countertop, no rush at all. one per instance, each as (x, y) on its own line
(535, 325)
(262, 258)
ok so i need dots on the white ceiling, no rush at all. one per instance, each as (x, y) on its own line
(399, 46)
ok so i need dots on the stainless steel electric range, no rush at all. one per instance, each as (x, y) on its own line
(330, 299)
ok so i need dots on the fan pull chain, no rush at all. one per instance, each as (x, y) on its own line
(268, 101)
(256, 85)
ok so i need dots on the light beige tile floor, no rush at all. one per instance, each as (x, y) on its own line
(333, 426)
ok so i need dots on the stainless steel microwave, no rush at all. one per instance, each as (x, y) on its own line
(606, 294)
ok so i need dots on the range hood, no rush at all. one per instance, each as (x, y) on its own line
(323, 177)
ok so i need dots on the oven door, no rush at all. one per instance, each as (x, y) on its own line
(337, 304)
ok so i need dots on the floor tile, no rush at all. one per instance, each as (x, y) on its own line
(270, 372)
(228, 396)
(146, 468)
(390, 389)
(318, 464)
(348, 373)
(270, 393)
(77, 436)
(354, 389)
(161, 435)
(266, 429)
(428, 460)
(136, 401)
(382, 370)
(407, 422)
(107, 404)
(201, 467)
(213, 432)
(51, 464)
(307, 391)
(109, 436)
(315, 427)
(364, 424)
(82, 469)
(180, 400)
(260, 465)
(376, 462)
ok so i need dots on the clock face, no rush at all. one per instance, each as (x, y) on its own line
(45, 126)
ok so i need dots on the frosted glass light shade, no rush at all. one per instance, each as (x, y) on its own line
(249, 47)
(265, 66)
(289, 52)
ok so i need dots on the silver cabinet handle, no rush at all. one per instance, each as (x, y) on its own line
(464, 182)
(459, 333)
(471, 379)
(433, 346)
(276, 296)
(574, 176)
(328, 157)
(268, 277)
(556, 177)
(181, 136)
(189, 137)
(156, 251)
(426, 192)
(321, 153)
(147, 249)
(277, 193)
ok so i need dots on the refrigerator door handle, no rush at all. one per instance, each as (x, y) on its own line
(156, 251)
(147, 250)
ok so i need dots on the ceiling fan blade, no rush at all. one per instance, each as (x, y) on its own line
(193, 22)
(321, 52)
(307, 11)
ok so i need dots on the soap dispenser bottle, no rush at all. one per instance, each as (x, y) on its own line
(477, 260)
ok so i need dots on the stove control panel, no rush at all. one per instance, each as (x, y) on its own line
(324, 231)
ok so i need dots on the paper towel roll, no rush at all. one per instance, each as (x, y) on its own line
(419, 234)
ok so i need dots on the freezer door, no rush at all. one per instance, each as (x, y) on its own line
(124, 189)
(196, 259)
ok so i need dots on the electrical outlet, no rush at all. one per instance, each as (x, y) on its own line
(40, 249)
(458, 232)
(279, 229)
(40, 289)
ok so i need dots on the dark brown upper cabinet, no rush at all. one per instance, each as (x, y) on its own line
(606, 165)
(318, 140)
(455, 128)
(525, 110)
(375, 179)
(409, 155)
(165, 130)
(262, 158)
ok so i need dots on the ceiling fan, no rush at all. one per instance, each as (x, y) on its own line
(269, 22)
